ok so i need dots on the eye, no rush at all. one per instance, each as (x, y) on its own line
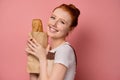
(62, 22)
(52, 17)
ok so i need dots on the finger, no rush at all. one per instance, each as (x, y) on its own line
(31, 47)
(27, 48)
(31, 43)
(34, 41)
(30, 52)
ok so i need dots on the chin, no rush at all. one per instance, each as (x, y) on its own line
(49, 34)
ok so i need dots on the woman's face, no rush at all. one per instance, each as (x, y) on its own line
(59, 24)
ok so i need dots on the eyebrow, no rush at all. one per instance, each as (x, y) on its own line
(60, 18)
(64, 20)
(53, 15)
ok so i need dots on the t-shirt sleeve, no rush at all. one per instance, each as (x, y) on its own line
(65, 56)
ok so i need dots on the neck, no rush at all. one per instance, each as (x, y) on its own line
(56, 42)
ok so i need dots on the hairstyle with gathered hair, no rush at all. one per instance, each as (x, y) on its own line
(73, 11)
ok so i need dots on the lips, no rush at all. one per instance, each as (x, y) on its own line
(52, 29)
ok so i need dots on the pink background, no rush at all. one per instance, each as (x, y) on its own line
(96, 39)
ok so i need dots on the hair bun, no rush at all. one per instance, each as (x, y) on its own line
(75, 9)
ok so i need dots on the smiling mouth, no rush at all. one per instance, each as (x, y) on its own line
(52, 29)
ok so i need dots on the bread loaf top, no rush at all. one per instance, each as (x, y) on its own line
(37, 25)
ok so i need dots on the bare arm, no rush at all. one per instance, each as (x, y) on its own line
(58, 72)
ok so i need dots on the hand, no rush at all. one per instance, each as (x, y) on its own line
(36, 49)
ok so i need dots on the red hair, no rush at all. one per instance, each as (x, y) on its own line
(73, 11)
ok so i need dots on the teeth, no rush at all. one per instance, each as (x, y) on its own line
(53, 30)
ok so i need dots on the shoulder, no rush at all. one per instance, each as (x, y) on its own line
(66, 49)
(65, 55)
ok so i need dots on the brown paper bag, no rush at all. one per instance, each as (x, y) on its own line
(33, 62)
(42, 38)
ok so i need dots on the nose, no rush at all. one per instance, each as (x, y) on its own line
(55, 23)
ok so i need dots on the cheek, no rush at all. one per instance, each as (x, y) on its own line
(50, 21)
(65, 31)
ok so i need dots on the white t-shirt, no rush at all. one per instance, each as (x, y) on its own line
(66, 56)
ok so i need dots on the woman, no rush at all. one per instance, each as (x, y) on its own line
(62, 21)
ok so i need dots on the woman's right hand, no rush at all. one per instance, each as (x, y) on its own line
(36, 49)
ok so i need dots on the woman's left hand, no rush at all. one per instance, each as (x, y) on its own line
(36, 49)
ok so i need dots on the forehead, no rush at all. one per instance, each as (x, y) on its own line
(61, 13)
